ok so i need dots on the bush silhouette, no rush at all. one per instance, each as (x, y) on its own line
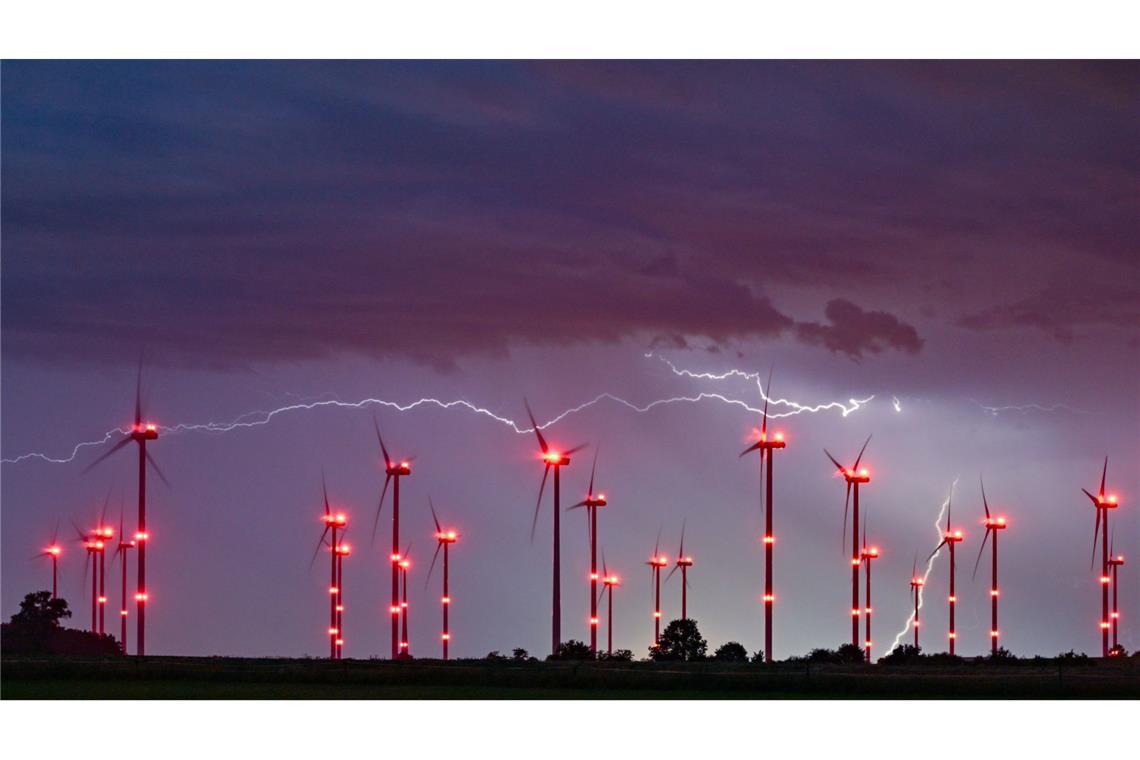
(680, 641)
(732, 651)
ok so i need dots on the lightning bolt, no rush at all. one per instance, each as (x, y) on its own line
(1027, 408)
(929, 567)
(264, 417)
(896, 403)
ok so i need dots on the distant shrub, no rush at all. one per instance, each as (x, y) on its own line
(903, 654)
(619, 655)
(572, 650)
(732, 651)
(680, 641)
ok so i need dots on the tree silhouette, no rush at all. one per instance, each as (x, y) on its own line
(903, 653)
(733, 651)
(40, 611)
(572, 650)
(681, 640)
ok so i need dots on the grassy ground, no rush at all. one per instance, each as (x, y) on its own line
(234, 678)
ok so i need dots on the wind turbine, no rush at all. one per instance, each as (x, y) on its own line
(609, 583)
(1115, 562)
(950, 538)
(139, 433)
(684, 562)
(444, 539)
(1103, 503)
(766, 449)
(993, 525)
(854, 477)
(591, 503)
(867, 554)
(341, 551)
(552, 459)
(656, 562)
(405, 565)
(93, 544)
(393, 471)
(121, 555)
(53, 552)
(334, 523)
(916, 584)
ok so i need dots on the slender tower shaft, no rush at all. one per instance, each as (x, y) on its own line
(395, 558)
(684, 592)
(102, 592)
(140, 592)
(54, 577)
(1104, 622)
(334, 597)
(769, 541)
(446, 604)
(405, 642)
(994, 598)
(340, 606)
(94, 594)
(916, 617)
(855, 569)
(656, 604)
(1115, 607)
(123, 606)
(593, 519)
(610, 624)
(867, 622)
(556, 581)
(953, 600)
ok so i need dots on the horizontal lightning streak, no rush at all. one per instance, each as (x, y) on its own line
(929, 567)
(1027, 408)
(257, 419)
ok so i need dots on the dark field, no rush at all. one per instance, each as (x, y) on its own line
(235, 678)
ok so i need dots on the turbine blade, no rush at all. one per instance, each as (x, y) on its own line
(860, 457)
(605, 571)
(576, 449)
(538, 503)
(767, 392)
(935, 550)
(107, 453)
(157, 470)
(752, 448)
(82, 536)
(434, 518)
(380, 438)
(320, 543)
(980, 550)
(434, 557)
(103, 510)
(949, 506)
(533, 424)
(914, 566)
(837, 465)
(1103, 475)
(379, 507)
(325, 492)
(657, 543)
(681, 552)
(985, 503)
(593, 468)
(1096, 532)
(670, 575)
(55, 532)
(846, 507)
(138, 394)
(1092, 498)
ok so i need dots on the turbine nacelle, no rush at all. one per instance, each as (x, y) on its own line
(594, 501)
(659, 561)
(870, 552)
(397, 469)
(555, 459)
(343, 550)
(953, 536)
(55, 551)
(1118, 560)
(917, 582)
(684, 562)
(447, 536)
(995, 523)
(144, 432)
(338, 520)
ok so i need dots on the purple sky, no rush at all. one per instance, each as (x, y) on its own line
(947, 236)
